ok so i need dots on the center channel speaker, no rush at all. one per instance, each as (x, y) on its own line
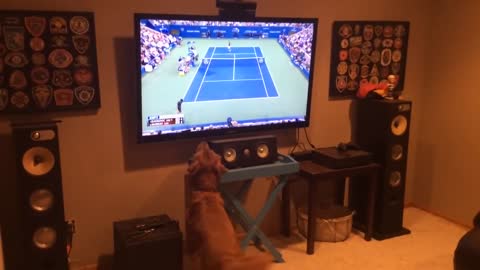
(382, 127)
(39, 181)
(246, 151)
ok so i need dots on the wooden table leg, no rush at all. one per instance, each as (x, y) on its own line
(311, 218)
(286, 210)
(371, 206)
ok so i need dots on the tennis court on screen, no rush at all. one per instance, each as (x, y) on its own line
(235, 73)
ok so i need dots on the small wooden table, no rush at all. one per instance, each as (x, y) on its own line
(313, 172)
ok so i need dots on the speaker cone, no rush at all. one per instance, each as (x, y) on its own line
(397, 152)
(38, 161)
(230, 155)
(41, 200)
(395, 179)
(399, 125)
(44, 237)
(262, 150)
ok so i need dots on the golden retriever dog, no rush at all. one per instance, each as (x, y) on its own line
(210, 233)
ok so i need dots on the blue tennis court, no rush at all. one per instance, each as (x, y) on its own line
(238, 73)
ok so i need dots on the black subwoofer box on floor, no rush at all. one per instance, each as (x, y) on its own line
(149, 243)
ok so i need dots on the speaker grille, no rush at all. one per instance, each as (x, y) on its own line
(397, 152)
(263, 150)
(44, 237)
(395, 179)
(38, 161)
(41, 200)
(399, 125)
(230, 155)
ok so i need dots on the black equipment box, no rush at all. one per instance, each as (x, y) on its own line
(147, 243)
(334, 158)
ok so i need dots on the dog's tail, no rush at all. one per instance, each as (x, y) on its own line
(248, 262)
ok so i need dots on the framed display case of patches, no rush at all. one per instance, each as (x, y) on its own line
(366, 52)
(48, 62)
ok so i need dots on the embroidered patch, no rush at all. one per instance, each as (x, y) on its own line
(42, 95)
(58, 25)
(17, 80)
(81, 61)
(37, 44)
(81, 43)
(62, 78)
(35, 25)
(345, 31)
(368, 32)
(60, 58)
(59, 41)
(354, 54)
(38, 59)
(16, 60)
(63, 97)
(40, 75)
(386, 57)
(83, 76)
(353, 71)
(343, 55)
(79, 25)
(84, 94)
(342, 68)
(14, 37)
(19, 99)
(341, 83)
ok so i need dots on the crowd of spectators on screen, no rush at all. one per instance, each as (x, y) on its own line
(156, 46)
(299, 45)
(222, 23)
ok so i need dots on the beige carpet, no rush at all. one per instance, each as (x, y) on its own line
(430, 246)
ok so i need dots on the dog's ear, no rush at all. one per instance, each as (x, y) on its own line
(219, 167)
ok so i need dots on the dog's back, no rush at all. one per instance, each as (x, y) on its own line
(210, 234)
(467, 253)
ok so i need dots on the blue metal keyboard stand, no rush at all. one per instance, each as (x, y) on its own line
(282, 168)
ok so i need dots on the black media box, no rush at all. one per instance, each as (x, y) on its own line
(147, 243)
(334, 158)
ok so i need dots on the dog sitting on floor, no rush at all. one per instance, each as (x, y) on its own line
(467, 253)
(210, 233)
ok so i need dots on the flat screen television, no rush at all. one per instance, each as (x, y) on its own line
(202, 76)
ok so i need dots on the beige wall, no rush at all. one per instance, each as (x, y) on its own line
(448, 149)
(107, 177)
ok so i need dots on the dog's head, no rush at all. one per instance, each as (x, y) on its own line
(205, 169)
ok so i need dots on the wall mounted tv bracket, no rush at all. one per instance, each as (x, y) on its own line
(236, 9)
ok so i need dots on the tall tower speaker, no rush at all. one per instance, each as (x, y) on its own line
(39, 181)
(382, 128)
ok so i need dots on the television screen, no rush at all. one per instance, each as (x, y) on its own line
(200, 76)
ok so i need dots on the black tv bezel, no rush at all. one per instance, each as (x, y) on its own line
(218, 132)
